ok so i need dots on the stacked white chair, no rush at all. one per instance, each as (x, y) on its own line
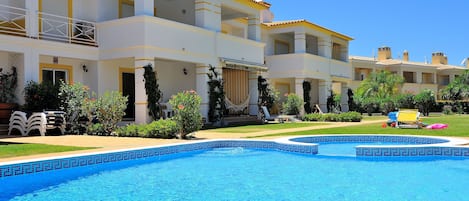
(55, 120)
(19, 122)
(41, 121)
(37, 121)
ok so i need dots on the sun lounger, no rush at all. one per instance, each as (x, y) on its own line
(278, 118)
(408, 119)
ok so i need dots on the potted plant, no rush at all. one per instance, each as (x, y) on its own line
(8, 83)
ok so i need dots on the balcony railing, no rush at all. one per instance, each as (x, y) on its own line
(22, 22)
(12, 20)
(70, 30)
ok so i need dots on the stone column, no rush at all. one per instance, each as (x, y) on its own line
(344, 53)
(208, 14)
(344, 97)
(418, 77)
(451, 78)
(144, 7)
(435, 78)
(31, 66)
(254, 28)
(253, 93)
(325, 47)
(202, 87)
(299, 93)
(32, 19)
(141, 103)
(324, 91)
(300, 42)
(30, 70)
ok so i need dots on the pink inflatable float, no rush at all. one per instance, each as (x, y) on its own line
(437, 126)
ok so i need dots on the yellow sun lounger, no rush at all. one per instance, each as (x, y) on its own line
(408, 119)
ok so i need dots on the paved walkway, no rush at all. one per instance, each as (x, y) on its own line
(115, 143)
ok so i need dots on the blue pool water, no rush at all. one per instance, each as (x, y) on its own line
(247, 174)
(346, 148)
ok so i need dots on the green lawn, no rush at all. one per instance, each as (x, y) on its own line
(266, 127)
(457, 126)
(17, 149)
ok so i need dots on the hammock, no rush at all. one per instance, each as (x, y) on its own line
(240, 108)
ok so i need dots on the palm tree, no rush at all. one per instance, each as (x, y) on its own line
(379, 89)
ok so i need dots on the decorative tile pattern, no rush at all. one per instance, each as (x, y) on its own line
(414, 146)
(61, 163)
(364, 151)
(369, 138)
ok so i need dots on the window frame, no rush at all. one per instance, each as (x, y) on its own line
(56, 67)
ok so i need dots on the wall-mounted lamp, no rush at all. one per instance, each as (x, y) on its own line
(85, 69)
(184, 70)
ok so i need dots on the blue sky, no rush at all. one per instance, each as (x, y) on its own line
(418, 26)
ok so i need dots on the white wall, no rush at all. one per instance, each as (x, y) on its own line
(107, 10)
(14, 3)
(90, 78)
(108, 73)
(86, 10)
(56, 7)
(4, 60)
(172, 79)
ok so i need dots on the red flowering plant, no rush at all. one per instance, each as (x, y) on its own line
(187, 114)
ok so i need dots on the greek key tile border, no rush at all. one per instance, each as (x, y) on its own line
(92, 159)
(415, 146)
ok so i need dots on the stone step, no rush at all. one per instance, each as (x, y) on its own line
(3, 129)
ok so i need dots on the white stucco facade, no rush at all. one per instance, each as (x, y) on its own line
(96, 42)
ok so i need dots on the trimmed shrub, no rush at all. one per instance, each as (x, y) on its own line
(157, 129)
(342, 117)
(331, 117)
(313, 117)
(350, 117)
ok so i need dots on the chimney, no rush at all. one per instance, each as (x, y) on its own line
(467, 62)
(384, 53)
(439, 58)
(405, 56)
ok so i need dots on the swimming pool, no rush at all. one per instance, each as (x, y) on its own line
(245, 170)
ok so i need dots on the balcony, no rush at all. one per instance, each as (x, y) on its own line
(417, 88)
(21, 22)
(307, 65)
(173, 40)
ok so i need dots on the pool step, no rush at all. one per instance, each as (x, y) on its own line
(3, 129)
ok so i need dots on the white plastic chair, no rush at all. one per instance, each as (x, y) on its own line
(19, 122)
(37, 121)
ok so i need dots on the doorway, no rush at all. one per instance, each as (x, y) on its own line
(128, 89)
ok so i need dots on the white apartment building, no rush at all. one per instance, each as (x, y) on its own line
(417, 75)
(105, 43)
(298, 51)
